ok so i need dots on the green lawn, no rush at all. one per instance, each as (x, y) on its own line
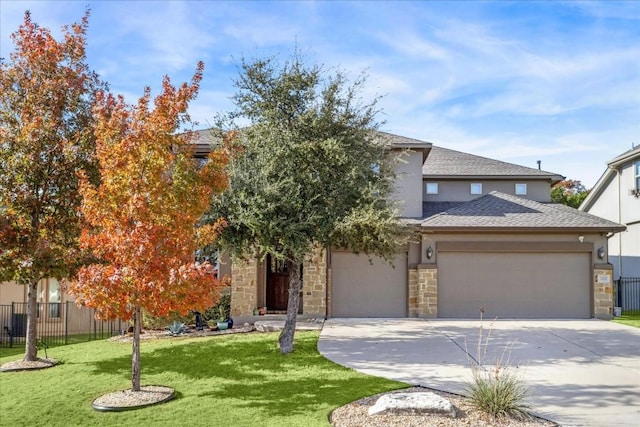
(232, 380)
(631, 319)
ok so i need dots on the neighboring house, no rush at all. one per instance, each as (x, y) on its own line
(488, 239)
(616, 197)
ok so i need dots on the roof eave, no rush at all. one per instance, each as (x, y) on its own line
(552, 178)
(472, 229)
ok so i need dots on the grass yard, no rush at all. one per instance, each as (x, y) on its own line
(631, 319)
(232, 380)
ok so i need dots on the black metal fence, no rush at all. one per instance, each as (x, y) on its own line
(58, 324)
(627, 291)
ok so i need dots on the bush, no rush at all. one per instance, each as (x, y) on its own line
(496, 389)
(222, 309)
(161, 322)
(499, 392)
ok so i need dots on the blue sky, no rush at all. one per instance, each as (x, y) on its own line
(516, 81)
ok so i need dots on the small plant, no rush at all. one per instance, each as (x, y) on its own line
(496, 389)
(177, 328)
(222, 309)
(40, 344)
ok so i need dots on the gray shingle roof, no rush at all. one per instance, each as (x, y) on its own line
(403, 141)
(434, 208)
(443, 162)
(502, 211)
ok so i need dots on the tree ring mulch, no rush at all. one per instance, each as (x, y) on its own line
(126, 400)
(27, 365)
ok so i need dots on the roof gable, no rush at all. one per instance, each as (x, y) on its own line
(443, 162)
(502, 211)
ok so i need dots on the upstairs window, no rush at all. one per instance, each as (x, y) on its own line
(638, 175)
(432, 188)
(521, 189)
(476, 188)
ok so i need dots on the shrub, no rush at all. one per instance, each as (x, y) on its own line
(222, 309)
(161, 322)
(496, 389)
(499, 392)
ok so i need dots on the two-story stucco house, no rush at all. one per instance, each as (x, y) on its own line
(487, 238)
(616, 197)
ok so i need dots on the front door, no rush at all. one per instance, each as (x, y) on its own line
(277, 284)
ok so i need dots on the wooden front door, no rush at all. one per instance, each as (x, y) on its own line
(277, 284)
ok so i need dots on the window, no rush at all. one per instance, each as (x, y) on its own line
(638, 175)
(432, 188)
(476, 188)
(521, 189)
(49, 297)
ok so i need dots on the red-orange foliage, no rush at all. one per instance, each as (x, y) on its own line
(142, 220)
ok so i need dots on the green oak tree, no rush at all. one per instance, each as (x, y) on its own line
(46, 94)
(309, 171)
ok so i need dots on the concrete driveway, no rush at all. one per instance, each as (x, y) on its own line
(581, 372)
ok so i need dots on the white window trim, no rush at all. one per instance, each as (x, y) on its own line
(636, 166)
(432, 184)
(521, 193)
(471, 188)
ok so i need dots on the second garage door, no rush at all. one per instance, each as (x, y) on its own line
(362, 289)
(514, 285)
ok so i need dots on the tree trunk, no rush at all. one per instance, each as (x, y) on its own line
(286, 336)
(31, 347)
(135, 356)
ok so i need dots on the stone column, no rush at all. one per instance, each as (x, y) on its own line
(244, 292)
(314, 280)
(603, 291)
(423, 295)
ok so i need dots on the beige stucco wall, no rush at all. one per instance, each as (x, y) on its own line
(12, 292)
(460, 190)
(408, 188)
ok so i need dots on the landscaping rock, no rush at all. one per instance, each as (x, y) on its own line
(413, 403)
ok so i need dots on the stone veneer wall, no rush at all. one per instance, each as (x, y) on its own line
(423, 291)
(603, 292)
(314, 280)
(243, 287)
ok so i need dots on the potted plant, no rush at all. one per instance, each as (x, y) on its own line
(223, 319)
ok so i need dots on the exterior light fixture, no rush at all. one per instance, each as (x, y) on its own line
(429, 252)
(601, 252)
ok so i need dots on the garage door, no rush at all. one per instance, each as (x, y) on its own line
(362, 289)
(514, 285)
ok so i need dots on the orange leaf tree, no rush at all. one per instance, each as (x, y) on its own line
(46, 94)
(142, 220)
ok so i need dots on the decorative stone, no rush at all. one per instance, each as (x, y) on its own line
(413, 403)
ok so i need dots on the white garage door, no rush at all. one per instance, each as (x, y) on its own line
(362, 289)
(514, 285)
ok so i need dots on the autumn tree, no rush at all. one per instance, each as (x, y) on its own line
(46, 94)
(311, 172)
(569, 192)
(142, 220)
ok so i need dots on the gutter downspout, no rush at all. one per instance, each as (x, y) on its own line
(619, 222)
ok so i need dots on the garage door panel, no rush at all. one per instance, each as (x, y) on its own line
(514, 285)
(364, 289)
